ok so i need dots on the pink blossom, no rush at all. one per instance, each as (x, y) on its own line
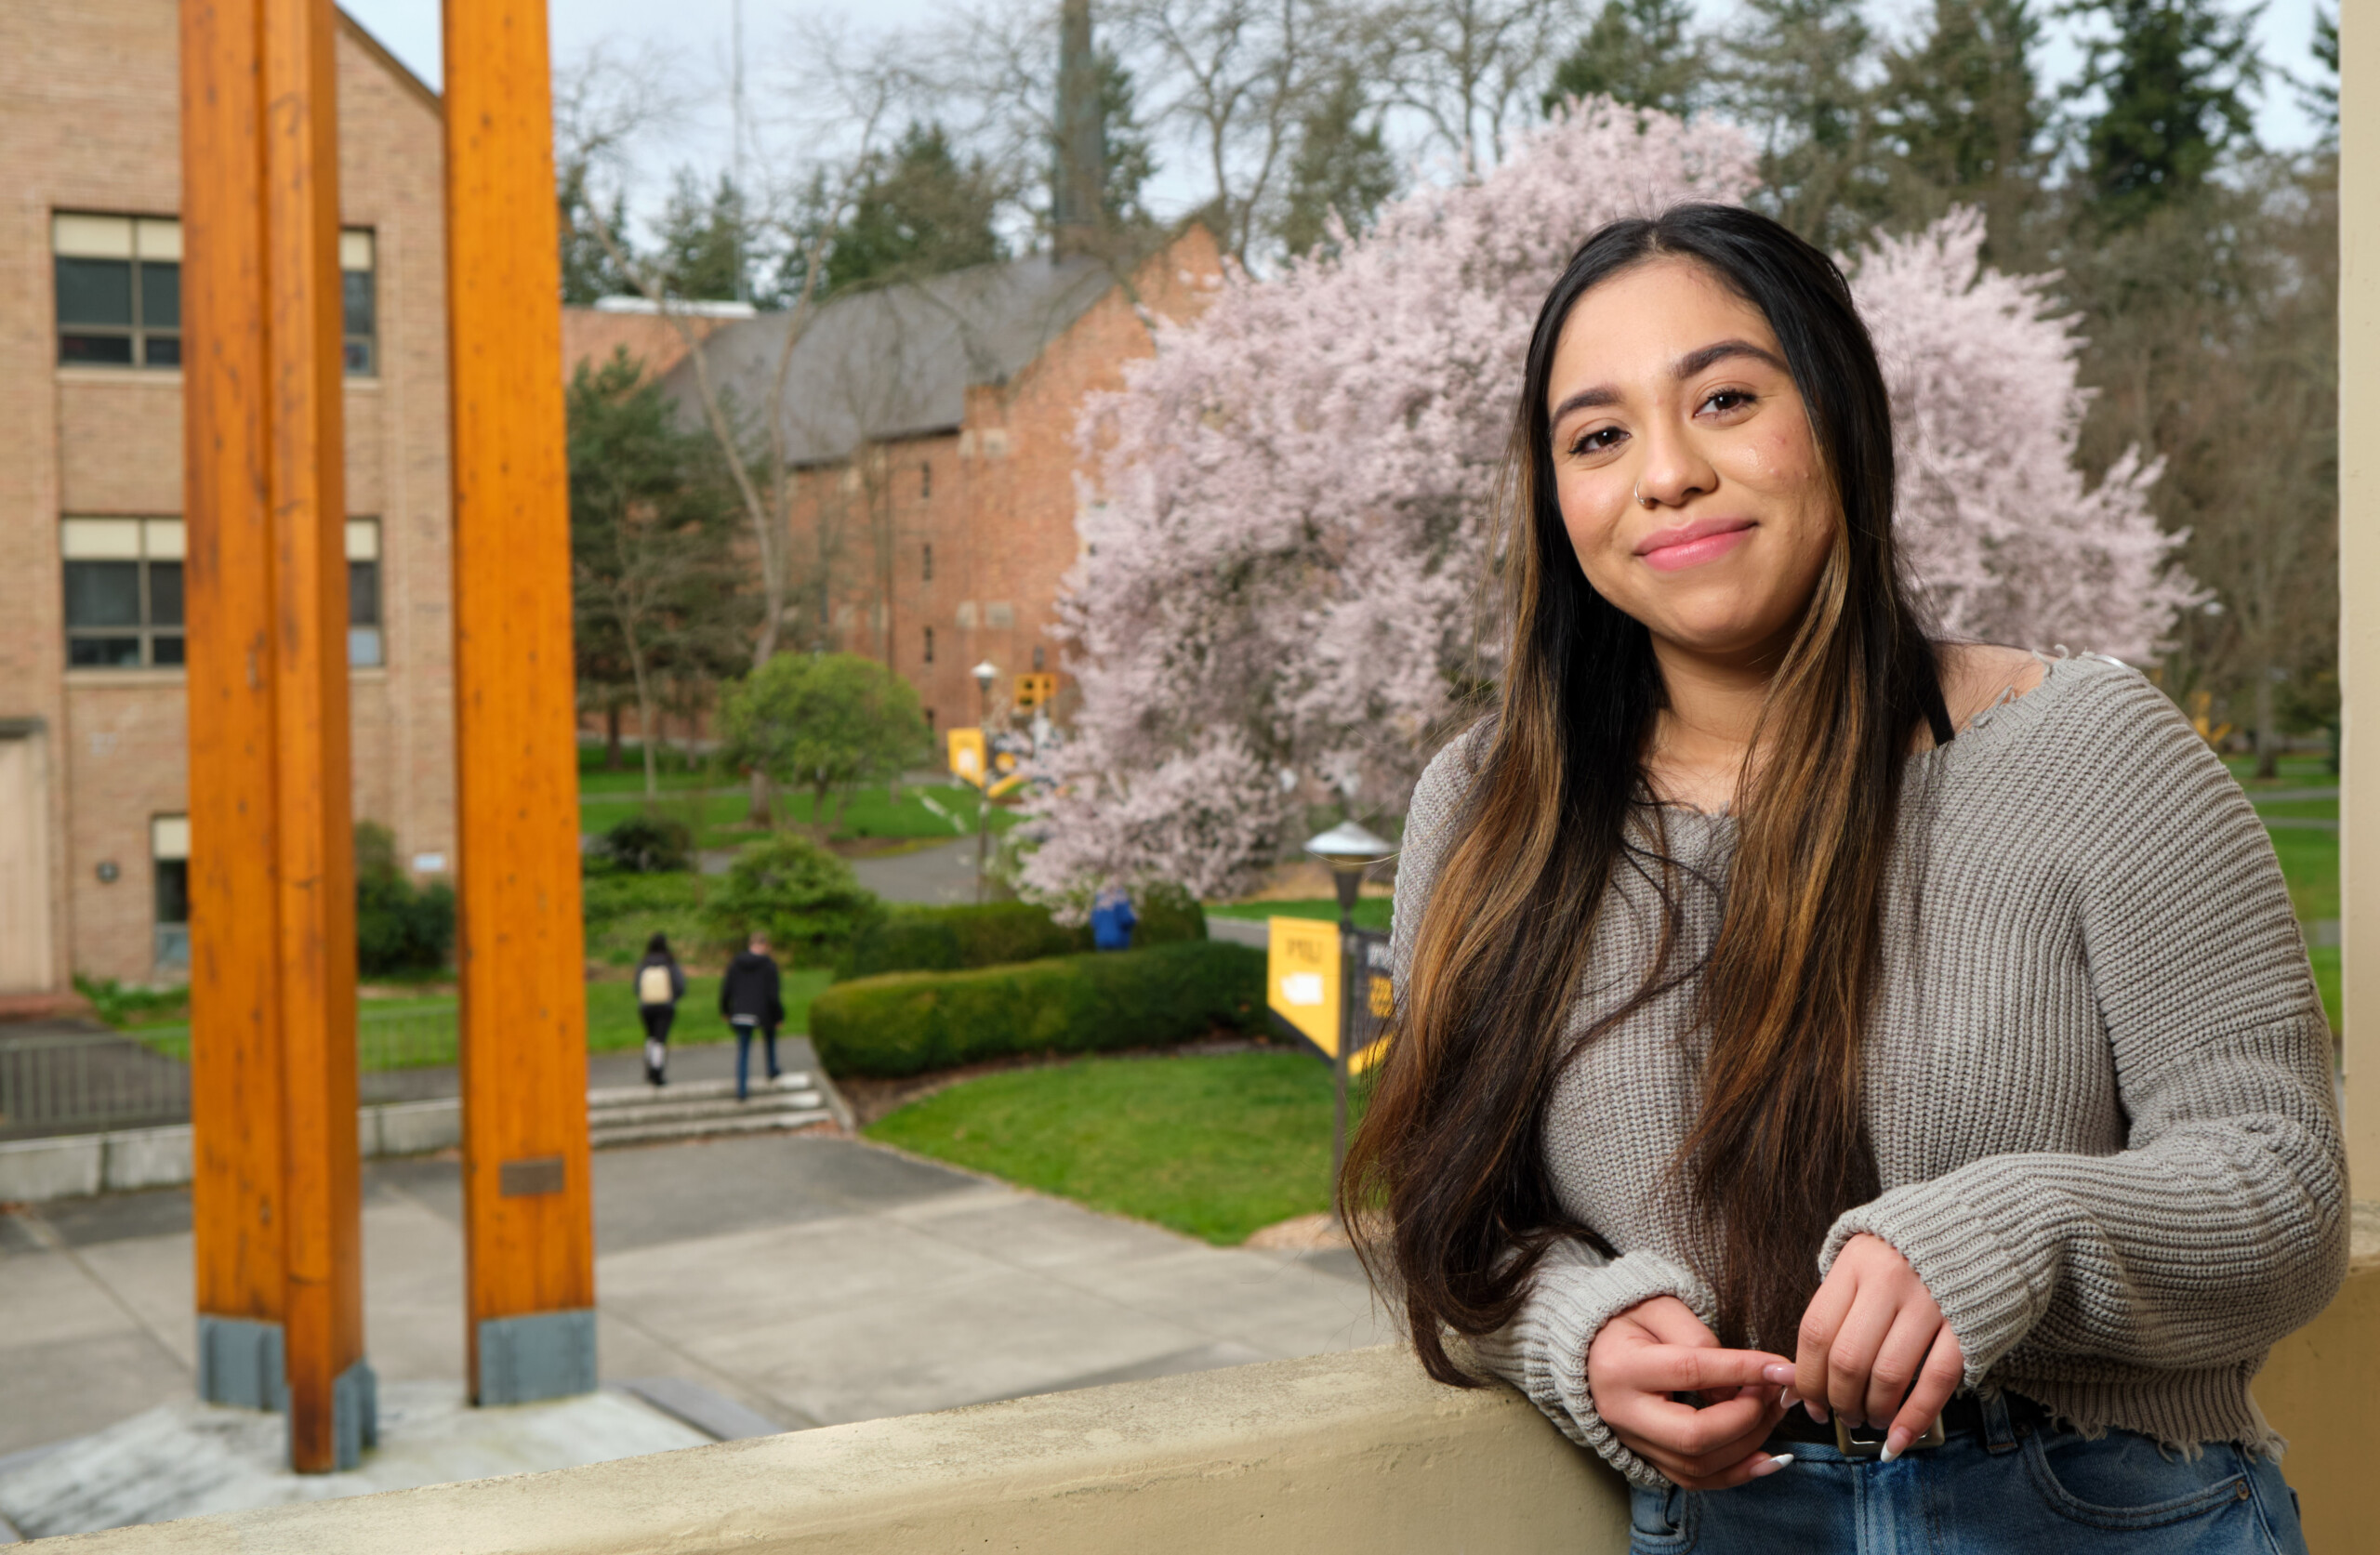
(1289, 512)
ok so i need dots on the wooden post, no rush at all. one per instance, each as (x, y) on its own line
(528, 1218)
(2360, 587)
(275, 1193)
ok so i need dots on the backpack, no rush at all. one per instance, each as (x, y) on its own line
(653, 985)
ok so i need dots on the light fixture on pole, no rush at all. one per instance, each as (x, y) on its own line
(985, 674)
(1349, 849)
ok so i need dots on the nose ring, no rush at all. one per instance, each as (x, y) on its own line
(1637, 490)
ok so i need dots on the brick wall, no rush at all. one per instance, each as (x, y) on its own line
(89, 117)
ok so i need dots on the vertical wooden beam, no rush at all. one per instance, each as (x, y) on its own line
(274, 1094)
(2360, 584)
(527, 1213)
(306, 473)
(237, 1166)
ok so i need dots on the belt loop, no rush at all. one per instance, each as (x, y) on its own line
(1998, 1431)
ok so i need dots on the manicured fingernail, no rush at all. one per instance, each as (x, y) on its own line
(1790, 1398)
(1896, 1443)
(1768, 1466)
(1817, 1411)
(1776, 1376)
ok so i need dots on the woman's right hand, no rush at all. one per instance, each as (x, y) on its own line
(1660, 1348)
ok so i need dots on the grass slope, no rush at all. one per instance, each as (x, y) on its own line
(1216, 1146)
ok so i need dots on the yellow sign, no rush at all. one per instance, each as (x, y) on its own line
(966, 746)
(1301, 978)
(1035, 690)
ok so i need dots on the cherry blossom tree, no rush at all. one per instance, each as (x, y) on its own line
(1283, 596)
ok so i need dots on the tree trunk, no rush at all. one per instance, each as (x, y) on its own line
(2268, 737)
(763, 804)
(612, 736)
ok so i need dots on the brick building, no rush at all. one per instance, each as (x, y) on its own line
(92, 718)
(932, 431)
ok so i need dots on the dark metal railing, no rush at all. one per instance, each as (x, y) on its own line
(71, 1082)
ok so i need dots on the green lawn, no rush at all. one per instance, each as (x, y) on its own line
(2310, 862)
(2297, 771)
(1371, 912)
(1216, 1146)
(719, 811)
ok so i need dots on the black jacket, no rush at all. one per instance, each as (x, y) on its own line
(750, 989)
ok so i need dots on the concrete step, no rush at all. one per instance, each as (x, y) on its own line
(601, 1101)
(669, 1109)
(624, 1133)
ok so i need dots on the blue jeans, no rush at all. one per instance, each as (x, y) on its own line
(743, 1055)
(2041, 1491)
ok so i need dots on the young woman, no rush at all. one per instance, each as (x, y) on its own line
(660, 983)
(1806, 1024)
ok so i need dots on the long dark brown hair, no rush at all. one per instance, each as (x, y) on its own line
(1451, 1147)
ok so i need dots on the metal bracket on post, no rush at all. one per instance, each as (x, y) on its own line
(355, 1412)
(542, 1355)
(240, 1363)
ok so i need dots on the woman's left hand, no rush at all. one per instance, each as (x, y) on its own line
(1874, 1347)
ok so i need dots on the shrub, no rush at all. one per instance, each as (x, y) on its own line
(399, 926)
(649, 844)
(909, 1022)
(804, 898)
(994, 933)
(622, 911)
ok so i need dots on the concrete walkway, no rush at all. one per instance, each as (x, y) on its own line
(812, 1280)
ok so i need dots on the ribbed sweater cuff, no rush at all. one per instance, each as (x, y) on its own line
(1982, 1291)
(1543, 1351)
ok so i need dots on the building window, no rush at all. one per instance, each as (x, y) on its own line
(929, 723)
(929, 563)
(929, 645)
(1039, 655)
(925, 478)
(119, 290)
(364, 645)
(119, 283)
(169, 867)
(359, 306)
(124, 593)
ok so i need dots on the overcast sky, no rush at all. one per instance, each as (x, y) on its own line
(699, 31)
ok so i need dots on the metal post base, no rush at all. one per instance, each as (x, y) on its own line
(355, 1412)
(541, 1355)
(240, 1363)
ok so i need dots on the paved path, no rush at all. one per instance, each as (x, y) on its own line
(942, 875)
(812, 1280)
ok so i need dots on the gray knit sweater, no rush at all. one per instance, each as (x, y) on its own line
(2098, 1076)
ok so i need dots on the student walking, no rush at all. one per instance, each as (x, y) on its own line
(660, 983)
(749, 998)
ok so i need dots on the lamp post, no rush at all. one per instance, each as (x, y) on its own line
(1349, 849)
(985, 673)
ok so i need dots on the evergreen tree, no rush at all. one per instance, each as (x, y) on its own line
(1794, 77)
(1638, 52)
(706, 241)
(920, 212)
(588, 270)
(2319, 96)
(1343, 166)
(2175, 79)
(1127, 158)
(1964, 118)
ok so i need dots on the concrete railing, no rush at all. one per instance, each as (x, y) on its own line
(1354, 1452)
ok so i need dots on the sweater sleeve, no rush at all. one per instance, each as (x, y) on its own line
(1574, 1291)
(2221, 1225)
(1543, 1350)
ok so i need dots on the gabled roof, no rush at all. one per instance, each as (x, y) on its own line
(898, 361)
(389, 62)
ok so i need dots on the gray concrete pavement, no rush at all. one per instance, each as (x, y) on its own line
(812, 1280)
(942, 875)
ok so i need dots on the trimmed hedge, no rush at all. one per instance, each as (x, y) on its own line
(909, 1022)
(997, 933)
